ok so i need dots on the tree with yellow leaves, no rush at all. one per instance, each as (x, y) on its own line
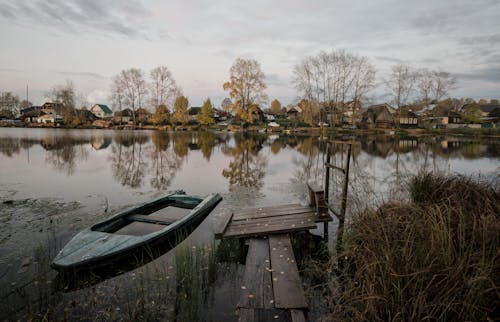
(246, 87)
(205, 117)
(180, 110)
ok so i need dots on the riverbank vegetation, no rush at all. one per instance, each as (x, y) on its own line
(435, 257)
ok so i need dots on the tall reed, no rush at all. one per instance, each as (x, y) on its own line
(434, 258)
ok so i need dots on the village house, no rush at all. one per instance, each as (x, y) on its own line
(142, 115)
(351, 111)
(407, 118)
(123, 117)
(101, 111)
(293, 112)
(193, 113)
(379, 116)
(53, 108)
(49, 118)
(31, 114)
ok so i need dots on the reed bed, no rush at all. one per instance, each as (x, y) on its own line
(434, 258)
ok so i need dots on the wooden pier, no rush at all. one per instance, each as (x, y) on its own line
(272, 289)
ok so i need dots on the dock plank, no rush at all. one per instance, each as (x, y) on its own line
(270, 208)
(222, 223)
(287, 285)
(266, 230)
(309, 217)
(256, 289)
(297, 315)
(273, 213)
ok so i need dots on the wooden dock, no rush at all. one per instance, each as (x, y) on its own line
(272, 289)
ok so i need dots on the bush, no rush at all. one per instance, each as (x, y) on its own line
(434, 258)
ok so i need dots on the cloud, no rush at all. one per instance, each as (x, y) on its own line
(392, 60)
(10, 70)
(491, 74)
(83, 74)
(276, 80)
(114, 17)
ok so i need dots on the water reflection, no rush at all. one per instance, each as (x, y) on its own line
(248, 165)
(139, 158)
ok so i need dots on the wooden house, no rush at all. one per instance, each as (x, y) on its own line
(101, 111)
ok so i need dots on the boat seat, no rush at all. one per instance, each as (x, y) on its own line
(150, 219)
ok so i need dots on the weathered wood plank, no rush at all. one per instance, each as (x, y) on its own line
(222, 223)
(314, 187)
(265, 230)
(287, 286)
(256, 288)
(270, 208)
(246, 315)
(274, 213)
(308, 216)
(261, 315)
(297, 315)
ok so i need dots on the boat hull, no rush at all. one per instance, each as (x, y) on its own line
(95, 248)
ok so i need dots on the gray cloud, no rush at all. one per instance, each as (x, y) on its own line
(82, 74)
(392, 60)
(10, 70)
(104, 17)
(276, 80)
(491, 74)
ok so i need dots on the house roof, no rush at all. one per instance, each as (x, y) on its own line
(125, 112)
(293, 109)
(487, 108)
(104, 108)
(194, 110)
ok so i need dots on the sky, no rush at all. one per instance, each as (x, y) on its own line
(47, 42)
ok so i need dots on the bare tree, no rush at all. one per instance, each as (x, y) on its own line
(163, 88)
(443, 83)
(332, 78)
(425, 84)
(9, 104)
(401, 84)
(246, 86)
(117, 94)
(66, 96)
(132, 82)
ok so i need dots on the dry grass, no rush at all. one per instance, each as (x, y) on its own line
(436, 258)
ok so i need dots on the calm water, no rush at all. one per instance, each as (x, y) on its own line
(58, 181)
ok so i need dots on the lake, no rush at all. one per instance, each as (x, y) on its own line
(55, 182)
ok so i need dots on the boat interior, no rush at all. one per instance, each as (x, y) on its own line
(139, 223)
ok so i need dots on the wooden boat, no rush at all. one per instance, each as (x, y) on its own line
(166, 220)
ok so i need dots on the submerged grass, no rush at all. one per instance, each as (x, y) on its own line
(434, 258)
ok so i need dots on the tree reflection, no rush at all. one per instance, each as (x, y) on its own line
(164, 163)
(10, 146)
(63, 152)
(247, 169)
(126, 159)
(206, 141)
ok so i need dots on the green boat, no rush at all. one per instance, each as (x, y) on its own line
(158, 224)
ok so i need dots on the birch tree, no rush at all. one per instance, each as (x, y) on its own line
(134, 88)
(401, 84)
(163, 87)
(246, 87)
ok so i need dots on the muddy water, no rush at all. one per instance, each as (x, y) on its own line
(55, 182)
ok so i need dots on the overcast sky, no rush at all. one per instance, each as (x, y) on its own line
(46, 42)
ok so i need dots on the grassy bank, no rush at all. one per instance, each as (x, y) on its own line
(433, 258)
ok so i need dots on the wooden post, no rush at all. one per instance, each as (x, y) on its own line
(340, 230)
(327, 189)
